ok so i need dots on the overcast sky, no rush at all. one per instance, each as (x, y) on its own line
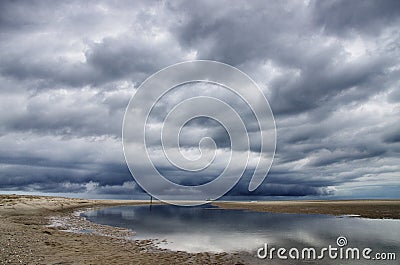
(329, 69)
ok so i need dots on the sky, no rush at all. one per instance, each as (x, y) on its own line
(329, 69)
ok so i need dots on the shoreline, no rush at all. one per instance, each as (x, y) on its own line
(28, 236)
(47, 230)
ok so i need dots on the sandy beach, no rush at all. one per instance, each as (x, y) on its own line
(29, 236)
(48, 230)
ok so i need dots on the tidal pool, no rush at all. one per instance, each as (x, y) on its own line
(207, 228)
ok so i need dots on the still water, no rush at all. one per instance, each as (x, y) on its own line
(206, 228)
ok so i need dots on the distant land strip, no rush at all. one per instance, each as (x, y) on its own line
(376, 209)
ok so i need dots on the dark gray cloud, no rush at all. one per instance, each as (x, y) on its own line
(353, 17)
(330, 71)
(392, 137)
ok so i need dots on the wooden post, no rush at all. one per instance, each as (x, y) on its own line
(151, 201)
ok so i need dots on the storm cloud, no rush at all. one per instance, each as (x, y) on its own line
(330, 71)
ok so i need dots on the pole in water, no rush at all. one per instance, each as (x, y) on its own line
(151, 201)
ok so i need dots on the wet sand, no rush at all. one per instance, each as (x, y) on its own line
(32, 232)
(377, 209)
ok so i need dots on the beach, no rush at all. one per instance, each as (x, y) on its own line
(29, 236)
(49, 230)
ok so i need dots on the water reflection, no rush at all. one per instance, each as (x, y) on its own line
(198, 229)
